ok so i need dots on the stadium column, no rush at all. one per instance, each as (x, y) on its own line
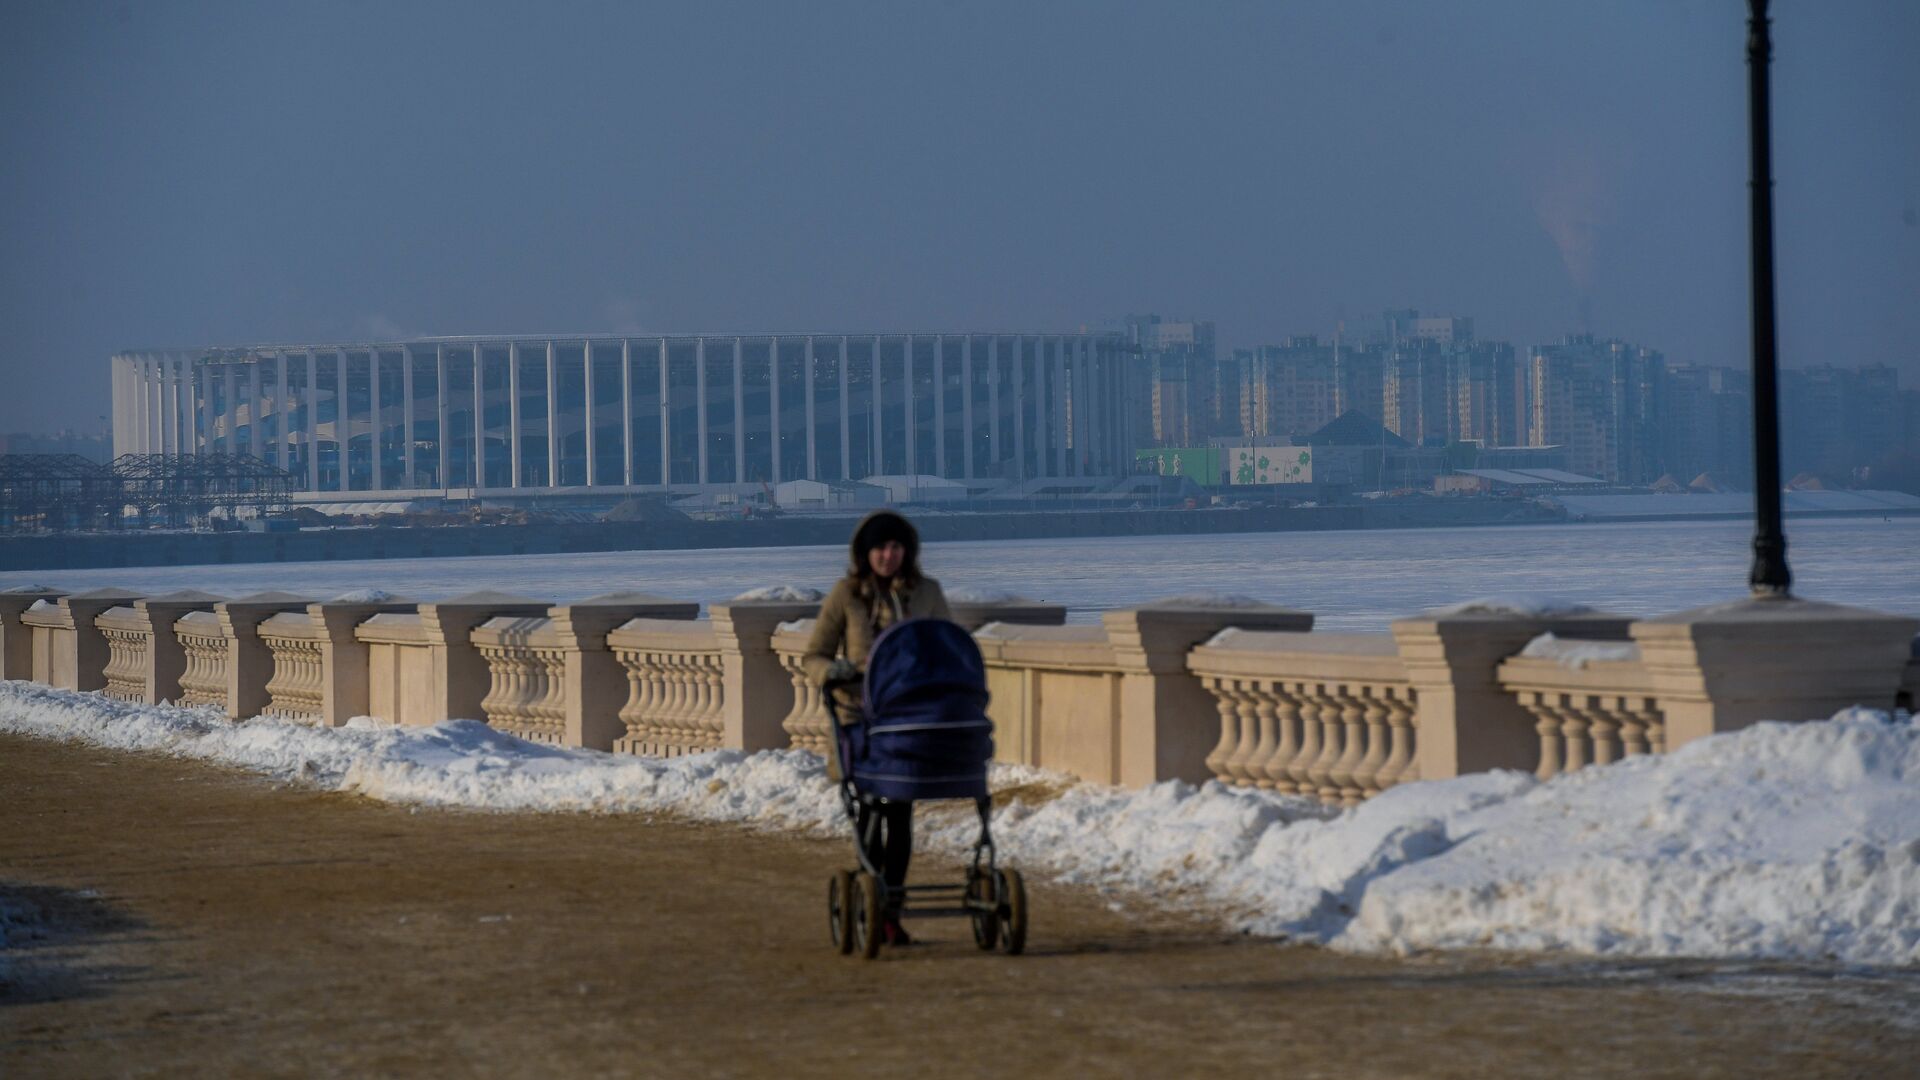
(229, 412)
(906, 397)
(281, 414)
(700, 406)
(993, 403)
(203, 434)
(373, 408)
(666, 421)
(939, 405)
(553, 416)
(846, 417)
(1080, 424)
(1019, 411)
(773, 402)
(739, 413)
(876, 460)
(966, 407)
(406, 415)
(813, 472)
(626, 412)
(1060, 408)
(586, 408)
(313, 421)
(513, 413)
(440, 414)
(479, 474)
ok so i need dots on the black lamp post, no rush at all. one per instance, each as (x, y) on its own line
(1770, 576)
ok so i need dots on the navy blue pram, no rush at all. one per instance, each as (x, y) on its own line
(923, 734)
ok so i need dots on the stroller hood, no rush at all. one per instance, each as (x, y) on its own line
(926, 733)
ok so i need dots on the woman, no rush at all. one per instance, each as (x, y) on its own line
(883, 586)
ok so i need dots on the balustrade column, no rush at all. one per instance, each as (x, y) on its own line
(1287, 727)
(1367, 774)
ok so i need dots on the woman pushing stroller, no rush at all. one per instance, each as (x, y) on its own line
(883, 586)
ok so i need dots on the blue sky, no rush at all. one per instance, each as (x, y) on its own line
(190, 173)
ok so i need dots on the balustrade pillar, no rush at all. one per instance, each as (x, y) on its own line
(16, 639)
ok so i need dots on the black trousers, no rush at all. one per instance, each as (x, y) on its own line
(889, 845)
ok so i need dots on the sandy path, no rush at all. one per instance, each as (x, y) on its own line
(201, 922)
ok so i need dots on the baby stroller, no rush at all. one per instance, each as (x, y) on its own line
(923, 734)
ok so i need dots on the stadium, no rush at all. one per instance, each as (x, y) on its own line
(676, 413)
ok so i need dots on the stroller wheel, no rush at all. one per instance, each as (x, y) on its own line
(1012, 915)
(986, 922)
(840, 911)
(866, 915)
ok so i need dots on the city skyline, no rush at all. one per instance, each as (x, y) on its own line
(217, 173)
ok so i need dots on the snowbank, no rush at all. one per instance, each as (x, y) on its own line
(966, 595)
(787, 593)
(1521, 605)
(1213, 600)
(1783, 841)
(366, 596)
(1574, 654)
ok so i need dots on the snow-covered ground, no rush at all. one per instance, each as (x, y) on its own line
(1781, 842)
(1349, 580)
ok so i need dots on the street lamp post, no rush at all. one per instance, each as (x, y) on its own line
(1770, 576)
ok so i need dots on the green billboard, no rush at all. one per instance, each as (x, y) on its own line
(1202, 464)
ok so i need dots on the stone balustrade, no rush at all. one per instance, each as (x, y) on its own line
(806, 724)
(204, 643)
(16, 637)
(1331, 716)
(674, 700)
(557, 678)
(1245, 694)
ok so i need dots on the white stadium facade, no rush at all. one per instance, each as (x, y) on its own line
(683, 413)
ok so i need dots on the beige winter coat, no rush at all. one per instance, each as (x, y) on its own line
(848, 625)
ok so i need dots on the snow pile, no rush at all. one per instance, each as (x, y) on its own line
(1521, 605)
(796, 594)
(1574, 654)
(1782, 841)
(965, 595)
(43, 605)
(1208, 600)
(365, 596)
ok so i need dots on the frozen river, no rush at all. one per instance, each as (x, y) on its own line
(1350, 580)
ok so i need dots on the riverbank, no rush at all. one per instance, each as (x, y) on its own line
(100, 550)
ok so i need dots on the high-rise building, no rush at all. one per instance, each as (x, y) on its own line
(1708, 428)
(1836, 420)
(1195, 395)
(1602, 400)
(1289, 389)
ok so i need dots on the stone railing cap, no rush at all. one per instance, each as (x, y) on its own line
(270, 596)
(623, 599)
(1771, 610)
(1244, 640)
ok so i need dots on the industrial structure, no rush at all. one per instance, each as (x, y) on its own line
(65, 492)
(500, 416)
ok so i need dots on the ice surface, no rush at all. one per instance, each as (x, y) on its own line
(971, 595)
(1781, 841)
(1350, 580)
(790, 593)
(1575, 654)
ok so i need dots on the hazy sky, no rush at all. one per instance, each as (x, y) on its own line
(185, 174)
